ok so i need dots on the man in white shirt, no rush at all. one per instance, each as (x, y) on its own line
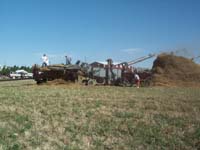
(45, 60)
(137, 80)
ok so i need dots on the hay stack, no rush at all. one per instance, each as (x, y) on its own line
(171, 70)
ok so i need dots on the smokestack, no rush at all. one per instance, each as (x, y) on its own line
(68, 60)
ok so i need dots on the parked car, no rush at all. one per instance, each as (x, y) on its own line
(21, 74)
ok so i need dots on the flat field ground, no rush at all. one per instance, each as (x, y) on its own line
(72, 117)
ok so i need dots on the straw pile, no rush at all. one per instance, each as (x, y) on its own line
(171, 70)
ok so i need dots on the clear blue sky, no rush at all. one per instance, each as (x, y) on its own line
(96, 29)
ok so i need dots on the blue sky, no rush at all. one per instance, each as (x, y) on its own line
(96, 29)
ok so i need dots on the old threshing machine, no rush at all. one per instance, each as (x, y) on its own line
(96, 73)
(121, 74)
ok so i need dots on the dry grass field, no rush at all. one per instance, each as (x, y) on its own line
(72, 117)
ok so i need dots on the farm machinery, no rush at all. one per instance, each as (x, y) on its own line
(121, 74)
(67, 72)
(96, 73)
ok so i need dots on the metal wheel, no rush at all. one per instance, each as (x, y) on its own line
(127, 83)
(91, 82)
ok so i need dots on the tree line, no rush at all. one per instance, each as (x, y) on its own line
(5, 70)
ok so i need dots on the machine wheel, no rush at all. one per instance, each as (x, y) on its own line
(91, 82)
(42, 81)
(127, 83)
(146, 82)
(84, 82)
(39, 82)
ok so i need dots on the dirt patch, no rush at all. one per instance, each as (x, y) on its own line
(62, 83)
(171, 70)
(58, 82)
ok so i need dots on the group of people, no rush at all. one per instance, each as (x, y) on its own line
(45, 60)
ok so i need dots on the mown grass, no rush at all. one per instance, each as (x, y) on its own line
(78, 117)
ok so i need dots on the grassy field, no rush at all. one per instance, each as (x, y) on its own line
(72, 117)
